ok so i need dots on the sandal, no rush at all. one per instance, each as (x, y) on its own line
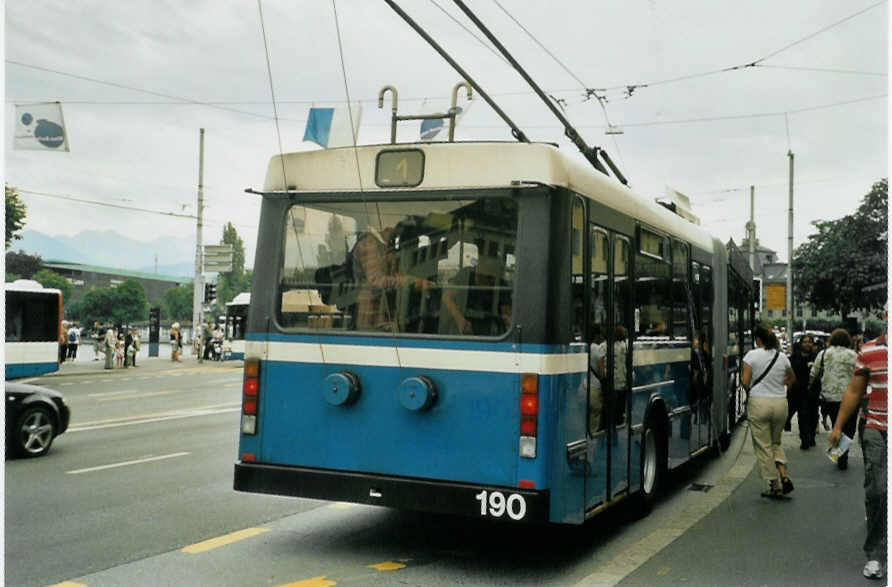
(787, 485)
(773, 492)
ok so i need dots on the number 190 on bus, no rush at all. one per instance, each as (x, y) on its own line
(497, 505)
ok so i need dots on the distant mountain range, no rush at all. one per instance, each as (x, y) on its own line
(107, 248)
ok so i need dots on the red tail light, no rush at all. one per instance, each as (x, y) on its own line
(529, 414)
(250, 396)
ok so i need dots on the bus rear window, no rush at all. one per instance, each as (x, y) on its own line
(423, 267)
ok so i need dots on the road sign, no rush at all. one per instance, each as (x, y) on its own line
(218, 258)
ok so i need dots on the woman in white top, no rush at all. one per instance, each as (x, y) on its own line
(766, 375)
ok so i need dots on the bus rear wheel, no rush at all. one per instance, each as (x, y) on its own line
(652, 464)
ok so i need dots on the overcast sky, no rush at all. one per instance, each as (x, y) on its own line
(708, 136)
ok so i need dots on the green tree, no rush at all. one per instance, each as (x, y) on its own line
(22, 264)
(49, 278)
(15, 215)
(238, 280)
(123, 304)
(97, 304)
(843, 267)
(177, 303)
(130, 302)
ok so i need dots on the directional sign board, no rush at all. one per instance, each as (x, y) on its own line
(218, 258)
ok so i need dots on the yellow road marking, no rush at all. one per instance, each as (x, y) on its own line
(388, 566)
(68, 584)
(223, 540)
(342, 505)
(314, 582)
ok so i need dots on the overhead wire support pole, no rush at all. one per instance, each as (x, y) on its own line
(198, 282)
(515, 131)
(790, 259)
(590, 153)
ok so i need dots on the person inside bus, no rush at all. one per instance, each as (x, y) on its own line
(596, 374)
(374, 270)
(479, 300)
(620, 380)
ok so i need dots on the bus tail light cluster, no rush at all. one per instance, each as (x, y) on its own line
(250, 396)
(529, 414)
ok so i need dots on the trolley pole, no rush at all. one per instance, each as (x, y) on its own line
(198, 283)
(790, 259)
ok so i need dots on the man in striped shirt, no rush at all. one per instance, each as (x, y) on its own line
(870, 368)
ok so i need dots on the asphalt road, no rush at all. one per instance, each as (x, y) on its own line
(139, 492)
(145, 467)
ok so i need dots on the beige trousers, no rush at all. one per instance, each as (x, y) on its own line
(767, 416)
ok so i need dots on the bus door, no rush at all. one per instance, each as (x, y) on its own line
(609, 367)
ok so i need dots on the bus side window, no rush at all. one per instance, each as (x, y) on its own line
(577, 281)
(680, 323)
(653, 296)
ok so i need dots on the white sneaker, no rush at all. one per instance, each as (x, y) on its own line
(873, 570)
(826, 423)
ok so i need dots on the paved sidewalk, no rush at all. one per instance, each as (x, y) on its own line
(85, 365)
(814, 538)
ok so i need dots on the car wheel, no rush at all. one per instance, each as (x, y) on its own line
(35, 432)
(651, 467)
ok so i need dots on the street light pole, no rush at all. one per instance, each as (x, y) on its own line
(198, 282)
(790, 258)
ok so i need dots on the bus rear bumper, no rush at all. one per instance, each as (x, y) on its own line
(441, 497)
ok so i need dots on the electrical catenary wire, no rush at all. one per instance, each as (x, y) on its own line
(601, 100)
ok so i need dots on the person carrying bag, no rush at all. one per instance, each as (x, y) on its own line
(767, 409)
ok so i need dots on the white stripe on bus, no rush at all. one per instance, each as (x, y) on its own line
(450, 359)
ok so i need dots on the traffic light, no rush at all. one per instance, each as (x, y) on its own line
(210, 292)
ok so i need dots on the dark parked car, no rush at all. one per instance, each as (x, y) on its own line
(34, 417)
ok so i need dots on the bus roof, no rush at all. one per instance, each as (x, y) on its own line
(242, 299)
(29, 285)
(470, 165)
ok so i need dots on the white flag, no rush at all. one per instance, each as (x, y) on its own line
(430, 128)
(333, 127)
(40, 127)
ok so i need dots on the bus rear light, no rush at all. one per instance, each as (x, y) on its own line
(529, 383)
(250, 396)
(528, 447)
(522, 483)
(249, 424)
(529, 414)
(527, 426)
(529, 404)
(248, 457)
(250, 387)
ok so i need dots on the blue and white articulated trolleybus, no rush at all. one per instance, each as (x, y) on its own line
(33, 324)
(236, 321)
(481, 329)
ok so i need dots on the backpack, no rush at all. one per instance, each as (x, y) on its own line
(72, 337)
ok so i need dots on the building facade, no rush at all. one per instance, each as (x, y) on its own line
(83, 277)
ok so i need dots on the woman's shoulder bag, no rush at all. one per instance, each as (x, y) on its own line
(814, 388)
(765, 372)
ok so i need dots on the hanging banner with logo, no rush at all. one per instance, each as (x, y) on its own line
(40, 127)
(333, 127)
